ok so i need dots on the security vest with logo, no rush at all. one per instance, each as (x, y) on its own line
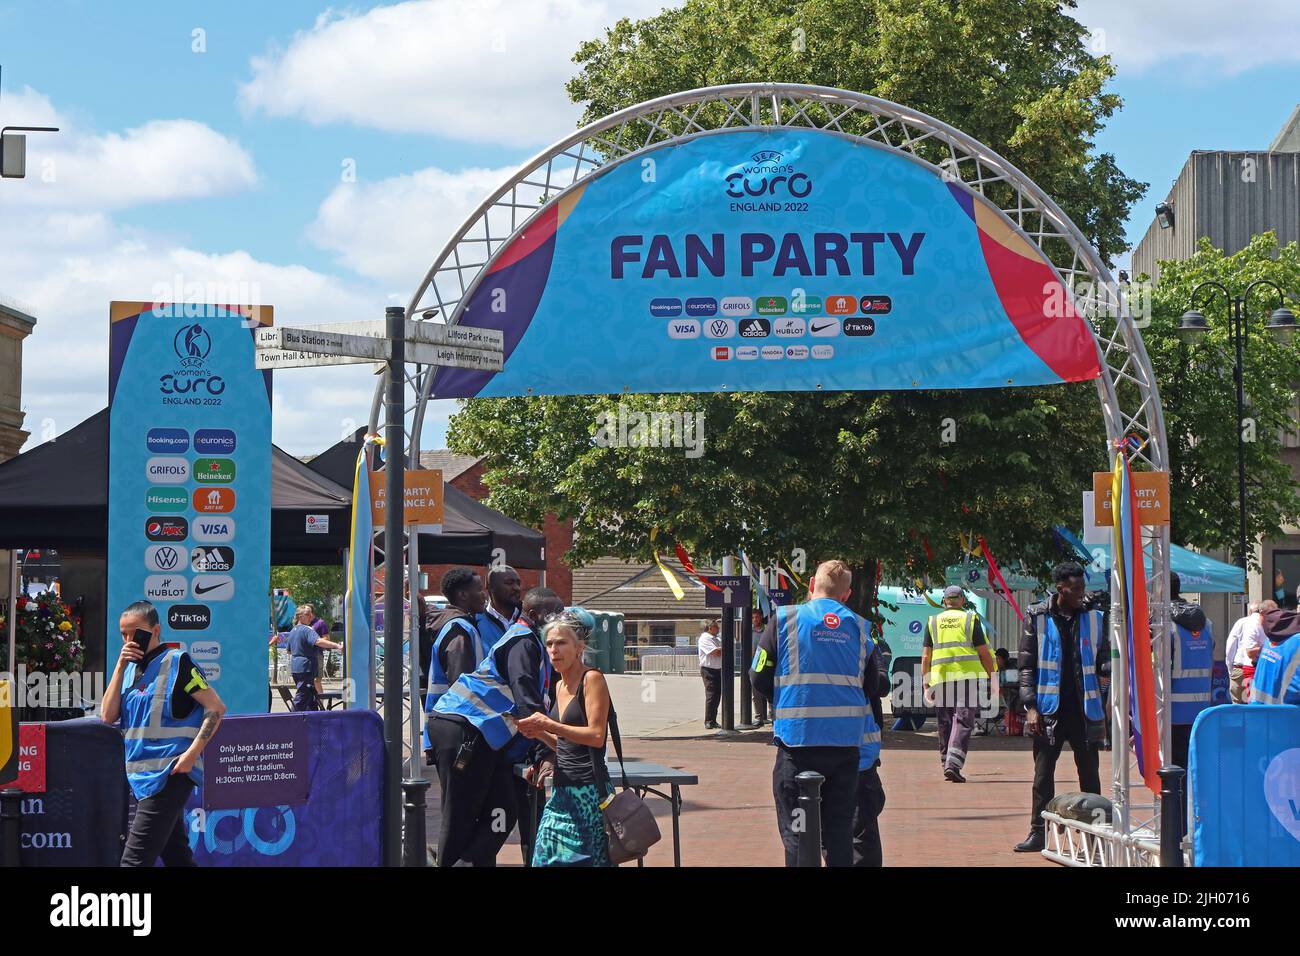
(155, 739)
(483, 696)
(1049, 662)
(1275, 673)
(953, 656)
(438, 682)
(817, 696)
(1193, 665)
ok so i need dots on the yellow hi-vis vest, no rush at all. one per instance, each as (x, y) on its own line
(952, 652)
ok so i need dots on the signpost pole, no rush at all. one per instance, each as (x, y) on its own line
(746, 655)
(728, 654)
(11, 615)
(394, 498)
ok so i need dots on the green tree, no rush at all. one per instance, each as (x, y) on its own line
(1199, 396)
(857, 475)
(314, 585)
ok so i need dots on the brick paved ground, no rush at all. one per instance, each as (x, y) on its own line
(729, 820)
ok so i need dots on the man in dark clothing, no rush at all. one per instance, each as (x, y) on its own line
(867, 850)
(454, 643)
(759, 623)
(305, 646)
(1060, 682)
(479, 801)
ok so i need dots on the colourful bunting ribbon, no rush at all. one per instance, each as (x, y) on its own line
(995, 572)
(685, 559)
(673, 584)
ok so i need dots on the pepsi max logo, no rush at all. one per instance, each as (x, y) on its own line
(214, 441)
(166, 529)
(167, 441)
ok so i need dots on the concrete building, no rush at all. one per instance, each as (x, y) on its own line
(15, 325)
(1230, 196)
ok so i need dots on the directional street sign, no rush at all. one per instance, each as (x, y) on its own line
(780, 596)
(283, 358)
(734, 592)
(289, 347)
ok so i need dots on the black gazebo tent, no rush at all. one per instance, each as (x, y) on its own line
(56, 496)
(471, 530)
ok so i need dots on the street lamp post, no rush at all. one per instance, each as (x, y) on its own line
(1282, 323)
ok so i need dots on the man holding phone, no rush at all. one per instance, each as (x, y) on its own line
(168, 714)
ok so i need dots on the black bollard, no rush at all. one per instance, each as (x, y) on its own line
(810, 806)
(11, 825)
(414, 845)
(1171, 815)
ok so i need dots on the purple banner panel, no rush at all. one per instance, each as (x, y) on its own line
(259, 761)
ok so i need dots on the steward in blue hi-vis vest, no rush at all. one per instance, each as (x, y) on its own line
(869, 752)
(1277, 673)
(818, 699)
(490, 627)
(1091, 629)
(438, 681)
(155, 739)
(1193, 663)
(483, 696)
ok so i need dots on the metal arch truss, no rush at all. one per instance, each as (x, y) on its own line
(1127, 388)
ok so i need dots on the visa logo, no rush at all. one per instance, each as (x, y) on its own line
(213, 530)
(684, 329)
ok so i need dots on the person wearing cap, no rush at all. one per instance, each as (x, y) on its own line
(955, 655)
(1277, 669)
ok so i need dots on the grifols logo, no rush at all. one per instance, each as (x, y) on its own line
(768, 175)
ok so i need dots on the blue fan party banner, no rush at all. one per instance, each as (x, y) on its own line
(189, 486)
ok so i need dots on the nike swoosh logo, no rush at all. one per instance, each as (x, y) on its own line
(818, 328)
(199, 590)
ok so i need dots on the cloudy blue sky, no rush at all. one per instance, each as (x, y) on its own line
(225, 165)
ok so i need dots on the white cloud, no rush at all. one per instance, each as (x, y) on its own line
(393, 228)
(160, 161)
(1222, 39)
(481, 70)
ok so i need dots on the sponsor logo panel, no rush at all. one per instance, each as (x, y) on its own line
(841, 305)
(214, 470)
(214, 441)
(806, 305)
(863, 326)
(168, 471)
(876, 304)
(167, 499)
(789, 328)
(702, 306)
(824, 328)
(212, 559)
(773, 352)
(189, 617)
(666, 308)
(214, 587)
(823, 351)
(721, 353)
(167, 441)
(684, 329)
(164, 557)
(737, 305)
(214, 500)
(796, 351)
(204, 652)
(755, 328)
(158, 528)
(746, 353)
(166, 587)
(719, 328)
(771, 305)
(214, 530)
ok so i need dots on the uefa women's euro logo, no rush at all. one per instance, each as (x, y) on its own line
(768, 175)
(192, 344)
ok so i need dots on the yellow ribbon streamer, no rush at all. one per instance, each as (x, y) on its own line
(673, 584)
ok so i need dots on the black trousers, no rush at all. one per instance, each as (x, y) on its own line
(479, 802)
(760, 705)
(1086, 760)
(1180, 743)
(839, 765)
(528, 817)
(304, 693)
(712, 692)
(866, 819)
(158, 828)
